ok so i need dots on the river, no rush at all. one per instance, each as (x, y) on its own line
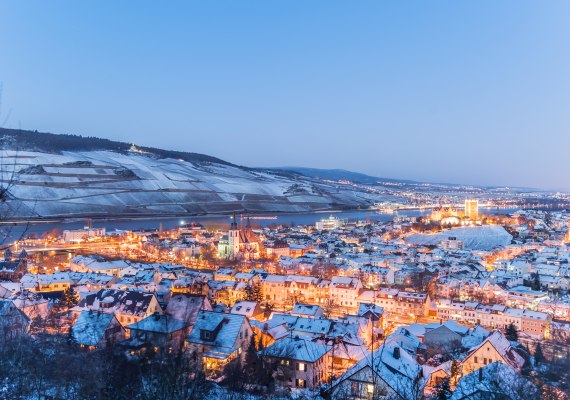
(11, 233)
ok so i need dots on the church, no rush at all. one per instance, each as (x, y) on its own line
(239, 243)
(13, 270)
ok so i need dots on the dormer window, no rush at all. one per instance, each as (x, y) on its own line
(206, 335)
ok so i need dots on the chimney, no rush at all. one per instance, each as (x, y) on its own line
(480, 374)
(397, 353)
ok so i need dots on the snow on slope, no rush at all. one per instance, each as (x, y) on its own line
(474, 237)
(114, 183)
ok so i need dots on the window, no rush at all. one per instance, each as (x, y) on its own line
(301, 383)
(476, 360)
(370, 388)
(301, 367)
(355, 389)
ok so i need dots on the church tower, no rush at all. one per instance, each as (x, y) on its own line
(8, 255)
(233, 239)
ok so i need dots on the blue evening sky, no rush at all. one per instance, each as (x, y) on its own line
(455, 91)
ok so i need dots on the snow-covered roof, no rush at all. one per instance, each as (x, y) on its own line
(185, 307)
(495, 380)
(297, 349)
(503, 347)
(159, 324)
(226, 328)
(393, 365)
(89, 328)
(118, 301)
(247, 308)
(310, 310)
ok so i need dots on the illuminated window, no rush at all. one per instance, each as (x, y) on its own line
(301, 367)
(370, 388)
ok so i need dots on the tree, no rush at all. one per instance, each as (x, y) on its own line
(249, 293)
(443, 390)
(69, 298)
(329, 306)
(512, 333)
(37, 325)
(257, 292)
(234, 375)
(254, 292)
(208, 252)
(268, 310)
(536, 281)
(251, 364)
(455, 370)
(538, 355)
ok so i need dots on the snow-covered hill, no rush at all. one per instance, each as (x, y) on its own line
(137, 183)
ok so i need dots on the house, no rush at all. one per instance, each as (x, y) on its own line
(158, 332)
(267, 333)
(185, 307)
(343, 355)
(218, 339)
(442, 338)
(344, 291)
(307, 310)
(96, 330)
(494, 381)
(249, 309)
(474, 337)
(129, 306)
(352, 329)
(31, 304)
(435, 376)
(373, 312)
(13, 321)
(98, 264)
(298, 362)
(389, 372)
(405, 339)
(494, 348)
(57, 282)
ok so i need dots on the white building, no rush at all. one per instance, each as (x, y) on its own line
(329, 223)
(78, 235)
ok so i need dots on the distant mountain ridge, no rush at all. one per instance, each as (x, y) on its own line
(339, 174)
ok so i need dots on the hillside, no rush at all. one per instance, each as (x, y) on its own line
(50, 175)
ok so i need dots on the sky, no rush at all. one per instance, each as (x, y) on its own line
(474, 92)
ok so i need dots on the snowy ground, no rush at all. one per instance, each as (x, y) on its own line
(474, 237)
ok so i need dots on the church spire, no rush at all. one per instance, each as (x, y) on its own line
(233, 226)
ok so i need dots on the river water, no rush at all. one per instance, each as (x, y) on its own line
(11, 233)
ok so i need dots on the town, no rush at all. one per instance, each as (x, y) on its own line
(452, 305)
